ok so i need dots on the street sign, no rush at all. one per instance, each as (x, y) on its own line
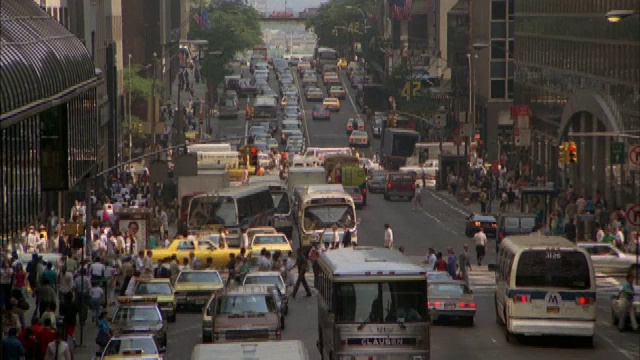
(158, 171)
(465, 129)
(617, 153)
(521, 115)
(634, 157)
(633, 215)
(522, 137)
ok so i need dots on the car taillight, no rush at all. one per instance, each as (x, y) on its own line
(364, 191)
(501, 235)
(434, 304)
(389, 186)
(467, 305)
(584, 300)
(521, 298)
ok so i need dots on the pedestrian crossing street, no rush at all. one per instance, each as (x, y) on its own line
(483, 283)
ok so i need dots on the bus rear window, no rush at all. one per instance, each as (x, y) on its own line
(553, 268)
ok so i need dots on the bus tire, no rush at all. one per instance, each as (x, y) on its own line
(587, 341)
(498, 318)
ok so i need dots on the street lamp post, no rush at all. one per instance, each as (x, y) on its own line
(364, 16)
(153, 97)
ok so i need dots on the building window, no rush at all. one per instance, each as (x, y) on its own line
(498, 89)
(498, 30)
(510, 88)
(498, 49)
(498, 10)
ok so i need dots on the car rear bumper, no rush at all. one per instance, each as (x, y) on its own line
(540, 327)
(437, 314)
(400, 193)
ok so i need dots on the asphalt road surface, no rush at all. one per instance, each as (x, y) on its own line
(439, 225)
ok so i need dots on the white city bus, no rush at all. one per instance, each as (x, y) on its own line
(545, 285)
(371, 305)
(318, 211)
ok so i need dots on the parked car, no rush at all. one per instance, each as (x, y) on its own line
(475, 222)
(359, 195)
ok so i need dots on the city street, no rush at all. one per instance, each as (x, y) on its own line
(440, 225)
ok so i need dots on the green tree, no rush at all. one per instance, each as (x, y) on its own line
(140, 87)
(338, 27)
(234, 28)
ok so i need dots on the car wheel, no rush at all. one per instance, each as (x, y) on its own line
(172, 318)
(282, 321)
(206, 338)
(469, 321)
(498, 318)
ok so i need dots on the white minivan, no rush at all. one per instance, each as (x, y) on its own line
(545, 285)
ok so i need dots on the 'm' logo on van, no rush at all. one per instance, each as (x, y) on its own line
(553, 298)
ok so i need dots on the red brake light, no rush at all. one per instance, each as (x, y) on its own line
(364, 190)
(467, 305)
(521, 298)
(389, 186)
(583, 300)
(254, 150)
(501, 235)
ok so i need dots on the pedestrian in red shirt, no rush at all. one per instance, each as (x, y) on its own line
(29, 342)
(440, 265)
(47, 335)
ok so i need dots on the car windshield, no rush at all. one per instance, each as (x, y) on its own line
(269, 240)
(241, 304)
(380, 302)
(319, 109)
(319, 217)
(447, 290)
(263, 280)
(566, 269)
(282, 202)
(117, 346)
(137, 313)
(199, 277)
(527, 223)
(212, 210)
(153, 289)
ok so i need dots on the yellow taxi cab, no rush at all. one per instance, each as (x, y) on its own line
(202, 249)
(141, 347)
(270, 242)
(251, 232)
(207, 319)
(342, 63)
(332, 104)
(162, 290)
(194, 287)
(331, 78)
(139, 315)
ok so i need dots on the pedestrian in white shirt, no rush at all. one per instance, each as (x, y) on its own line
(599, 233)
(388, 236)
(431, 259)
(245, 239)
(336, 237)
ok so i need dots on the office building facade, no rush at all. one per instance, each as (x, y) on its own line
(580, 75)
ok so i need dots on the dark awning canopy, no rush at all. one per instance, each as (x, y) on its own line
(41, 62)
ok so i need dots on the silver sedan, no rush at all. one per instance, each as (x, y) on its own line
(451, 299)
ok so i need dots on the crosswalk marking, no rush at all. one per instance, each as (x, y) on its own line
(484, 282)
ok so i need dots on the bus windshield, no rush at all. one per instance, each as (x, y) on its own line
(212, 210)
(282, 202)
(381, 302)
(553, 268)
(320, 217)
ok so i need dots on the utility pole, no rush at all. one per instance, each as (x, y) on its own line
(129, 111)
(153, 100)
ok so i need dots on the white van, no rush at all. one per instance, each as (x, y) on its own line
(263, 350)
(545, 285)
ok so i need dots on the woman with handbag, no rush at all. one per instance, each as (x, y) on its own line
(104, 331)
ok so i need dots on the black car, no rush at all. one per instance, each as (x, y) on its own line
(246, 88)
(487, 222)
(377, 181)
(515, 224)
(320, 113)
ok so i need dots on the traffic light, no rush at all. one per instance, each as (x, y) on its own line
(392, 120)
(573, 152)
(563, 153)
(253, 156)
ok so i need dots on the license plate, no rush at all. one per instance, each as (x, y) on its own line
(553, 310)
(449, 306)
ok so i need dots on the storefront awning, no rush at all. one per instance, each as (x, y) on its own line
(41, 63)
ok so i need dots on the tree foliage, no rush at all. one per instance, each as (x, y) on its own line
(139, 86)
(347, 23)
(234, 27)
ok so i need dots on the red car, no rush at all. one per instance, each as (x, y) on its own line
(320, 113)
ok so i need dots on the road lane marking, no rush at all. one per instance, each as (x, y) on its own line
(631, 355)
(307, 135)
(446, 202)
(440, 222)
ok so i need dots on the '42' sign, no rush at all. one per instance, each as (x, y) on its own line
(411, 89)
